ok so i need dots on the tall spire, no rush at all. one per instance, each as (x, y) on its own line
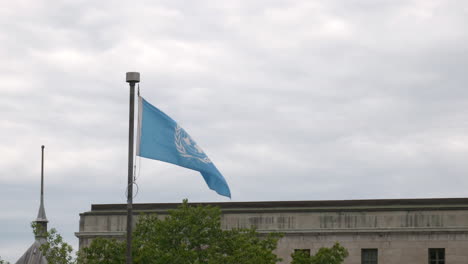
(34, 254)
(41, 220)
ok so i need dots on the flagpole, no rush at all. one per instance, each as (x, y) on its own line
(132, 78)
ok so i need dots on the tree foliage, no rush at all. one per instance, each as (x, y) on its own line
(187, 235)
(54, 249)
(301, 257)
(103, 251)
(333, 255)
(3, 261)
(245, 246)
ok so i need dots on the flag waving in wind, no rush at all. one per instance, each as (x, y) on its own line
(161, 138)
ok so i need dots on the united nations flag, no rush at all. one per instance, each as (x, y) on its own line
(161, 138)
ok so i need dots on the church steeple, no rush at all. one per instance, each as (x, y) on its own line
(34, 254)
(41, 220)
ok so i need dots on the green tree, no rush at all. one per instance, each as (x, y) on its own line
(301, 257)
(247, 247)
(55, 250)
(187, 235)
(3, 261)
(103, 251)
(333, 255)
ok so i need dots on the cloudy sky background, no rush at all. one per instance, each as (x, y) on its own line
(292, 100)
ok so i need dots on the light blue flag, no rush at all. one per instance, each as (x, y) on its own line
(161, 138)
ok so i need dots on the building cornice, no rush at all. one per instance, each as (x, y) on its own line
(429, 204)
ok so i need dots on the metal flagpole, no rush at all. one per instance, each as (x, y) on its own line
(132, 79)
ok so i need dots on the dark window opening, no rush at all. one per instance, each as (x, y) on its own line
(437, 256)
(369, 256)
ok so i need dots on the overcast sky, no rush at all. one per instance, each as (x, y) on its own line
(292, 100)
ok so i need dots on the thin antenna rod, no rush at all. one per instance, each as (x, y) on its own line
(41, 216)
(42, 175)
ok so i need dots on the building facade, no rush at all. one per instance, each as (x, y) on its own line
(410, 231)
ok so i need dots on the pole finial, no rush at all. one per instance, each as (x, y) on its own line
(133, 77)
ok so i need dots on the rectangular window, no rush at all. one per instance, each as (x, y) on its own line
(369, 256)
(437, 256)
(305, 251)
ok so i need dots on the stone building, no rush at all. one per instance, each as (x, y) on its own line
(409, 231)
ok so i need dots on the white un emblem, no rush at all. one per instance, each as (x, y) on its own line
(187, 147)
